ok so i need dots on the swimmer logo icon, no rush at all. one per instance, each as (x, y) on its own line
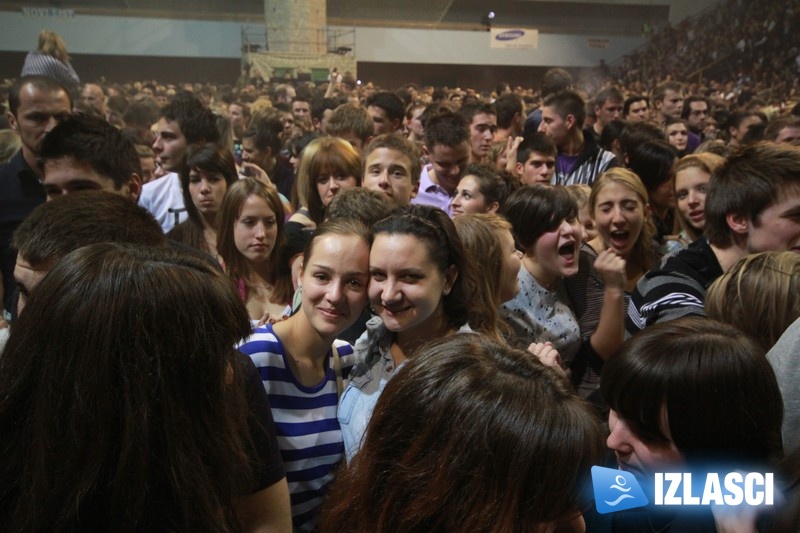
(616, 490)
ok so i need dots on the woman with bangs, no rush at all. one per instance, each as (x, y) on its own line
(691, 395)
(250, 242)
(545, 225)
(327, 165)
(609, 267)
(211, 170)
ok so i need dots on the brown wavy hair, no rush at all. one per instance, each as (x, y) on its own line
(470, 435)
(122, 404)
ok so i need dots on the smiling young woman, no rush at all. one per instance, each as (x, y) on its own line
(420, 285)
(304, 367)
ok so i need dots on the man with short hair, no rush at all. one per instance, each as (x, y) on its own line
(636, 108)
(85, 153)
(352, 123)
(667, 101)
(94, 98)
(239, 114)
(536, 159)
(695, 112)
(482, 127)
(392, 168)
(784, 129)
(182, 122)
(510, 111)
(386, 110)
(35, 105)
(752, 206)
(447, 149)
(69, 222)
(607, 107)
(301, 109)
(579, 159)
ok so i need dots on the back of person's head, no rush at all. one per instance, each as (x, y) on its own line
(480, 236)
(350, 119)
(661, 383)
(653, 162)
(760, 295)
(636, 133)
(555, 80)
(389, 102)
(506, 106)
(534, 210)
(535, 142)
(746, 184)
(142, 114)
(398, 143)
(714, 146)
(324, 157)
(52, 44)
(446, 129)
(95, 142)
(611, 133)
(126, 350)
(70, 221)
(40, 83)
(198, 124)
(434, 228)
(566, 103)
(358, 203)
(471, 435)
(265, 133)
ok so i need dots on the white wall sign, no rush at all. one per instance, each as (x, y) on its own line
(514, 38)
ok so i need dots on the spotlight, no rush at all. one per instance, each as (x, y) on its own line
(490, 16)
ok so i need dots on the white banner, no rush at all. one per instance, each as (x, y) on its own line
(514, 38)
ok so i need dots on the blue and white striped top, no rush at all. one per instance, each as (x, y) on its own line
(308, 433)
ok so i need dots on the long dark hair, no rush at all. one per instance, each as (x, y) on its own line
(470, 435)
(120, 399)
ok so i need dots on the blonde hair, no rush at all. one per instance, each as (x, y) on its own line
(642, 251)
(580, 193)
(760, 295)
(52, 44)
(708, 163)
(481, 242)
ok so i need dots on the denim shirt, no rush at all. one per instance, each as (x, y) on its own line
(373, 369)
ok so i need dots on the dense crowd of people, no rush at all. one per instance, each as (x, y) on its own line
(275, 307)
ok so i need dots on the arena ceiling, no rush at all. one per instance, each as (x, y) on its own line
(611, 17)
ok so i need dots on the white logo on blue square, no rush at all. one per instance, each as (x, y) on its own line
(616, 490)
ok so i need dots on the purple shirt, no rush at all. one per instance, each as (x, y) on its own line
(431, 193)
